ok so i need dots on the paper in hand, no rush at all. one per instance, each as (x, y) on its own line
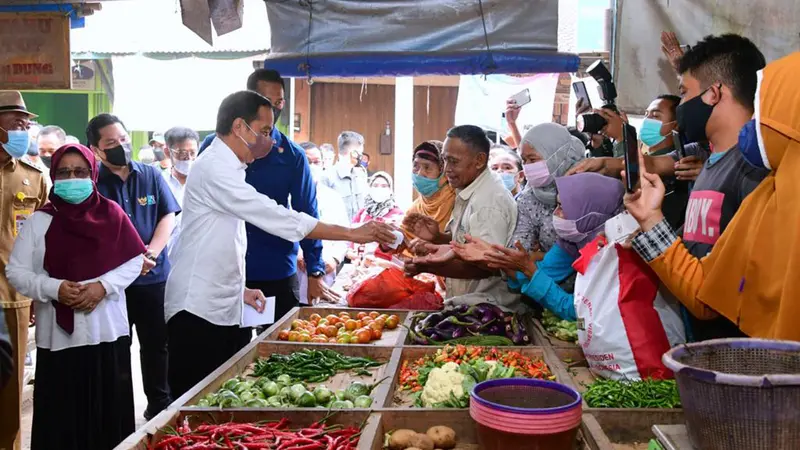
(252, 318)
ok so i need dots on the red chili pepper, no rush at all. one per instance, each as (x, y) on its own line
(170, 441)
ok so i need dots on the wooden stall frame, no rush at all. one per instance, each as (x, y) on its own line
(304, 312)
(614, 425)
(416, 351)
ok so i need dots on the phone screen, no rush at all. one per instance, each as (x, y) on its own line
(522, 98)
(678, 142)
(580, 91)
(631, 157)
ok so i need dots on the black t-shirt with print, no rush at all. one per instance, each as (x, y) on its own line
(715, 197)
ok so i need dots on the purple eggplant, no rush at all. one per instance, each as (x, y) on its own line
(418, 339)
(494, 329)
(518, 333)
(459, 333)
(461, 309)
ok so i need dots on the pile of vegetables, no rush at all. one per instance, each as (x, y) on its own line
(283, 393)
(262, 435)
(312, 365)
(445, 378)
(438, 437)
(482, 324)
(341, 328)
(647, 393)
(564, 330)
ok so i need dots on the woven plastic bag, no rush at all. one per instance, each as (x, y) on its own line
(624, 324)
(391, 289)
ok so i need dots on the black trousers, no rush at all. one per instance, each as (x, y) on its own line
(146, 314)
(197, 347)
(285, 291)
(83, 398)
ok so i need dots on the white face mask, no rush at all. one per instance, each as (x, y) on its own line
(183, 167)
(317, 172)
(380, 195)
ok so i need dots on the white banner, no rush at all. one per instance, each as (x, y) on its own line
(482, 100)
(155, 95)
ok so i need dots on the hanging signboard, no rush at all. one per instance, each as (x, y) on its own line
(34, 51)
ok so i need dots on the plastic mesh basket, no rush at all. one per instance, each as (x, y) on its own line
(739, 393)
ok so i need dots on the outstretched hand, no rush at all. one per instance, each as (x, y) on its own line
(423, 227)
(645, 204)
(512, 260)
(473, 250)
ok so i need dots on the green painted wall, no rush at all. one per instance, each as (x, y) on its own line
(69, 111)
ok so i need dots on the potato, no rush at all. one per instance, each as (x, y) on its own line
(401, 439)
(442, 437)
(421, 441)
(413, 448)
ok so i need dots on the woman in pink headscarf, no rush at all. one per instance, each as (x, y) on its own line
(76, 256)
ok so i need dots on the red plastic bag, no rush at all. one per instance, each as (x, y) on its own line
(391, 289)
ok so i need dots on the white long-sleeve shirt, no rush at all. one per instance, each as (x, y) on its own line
(208, 261)
(333, 211)
(25, 271)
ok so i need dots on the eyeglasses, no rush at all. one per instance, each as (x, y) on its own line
(182, 154)
(66, 173)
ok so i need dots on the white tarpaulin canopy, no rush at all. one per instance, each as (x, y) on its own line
(408, 37)
(156, 94)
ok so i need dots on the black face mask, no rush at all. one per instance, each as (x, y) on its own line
(119, 156)
(277, 113)
(692, 118)
(46, 160)
(159, 154)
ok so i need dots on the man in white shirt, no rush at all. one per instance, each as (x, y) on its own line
(484, 209)
(181, 149)
(206, 288)
(347, 177)
(331, 210)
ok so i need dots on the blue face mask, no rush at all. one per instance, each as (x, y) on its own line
(17, 145)
(424, 185)
(74, 190)
(650, 133)
(509, 180)
(748, 145)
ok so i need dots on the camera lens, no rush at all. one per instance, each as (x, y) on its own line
(590, 123)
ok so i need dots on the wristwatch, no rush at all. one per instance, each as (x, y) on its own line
(316, 274)
(149, 255)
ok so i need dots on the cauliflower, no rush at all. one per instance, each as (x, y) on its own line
(442, 381)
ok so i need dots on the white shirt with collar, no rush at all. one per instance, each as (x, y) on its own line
(351, 184)
(25, 271)
(177, 191)
(332, 211)
(208, 261)
(484, 209)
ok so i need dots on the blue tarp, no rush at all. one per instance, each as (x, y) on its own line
(74, 20)
(417, 64)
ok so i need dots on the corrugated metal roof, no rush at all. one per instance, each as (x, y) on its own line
(154, 26)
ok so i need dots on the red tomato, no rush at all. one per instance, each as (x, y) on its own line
(283, 335)
(361, 315)
(330, 331)
(364, 336)
(374, 314)
(315, 317)
(297, 324)
(351, 325)
(294, 336)
(376, 333)
(333, 320)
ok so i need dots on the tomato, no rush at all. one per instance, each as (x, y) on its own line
(333, 320)
(283, 335)
(374, 314)
(297, 324)
(319, 339)
(384, 317)
(344, 338)
(380, 323)
(305, 337)
(359, 324)
(319, 330)
(315, 317)
(361, 315)
(329, 331)
(344, 313)
(367, 320)
(340, 331)
(294, 336)
(364, 336)
(392, 322)
(351, 325)
(332, 340)
(323, 322)
(376, 333)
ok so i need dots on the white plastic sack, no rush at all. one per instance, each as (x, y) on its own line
(624, 324)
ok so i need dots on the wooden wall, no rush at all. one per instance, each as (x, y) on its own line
(335, 107)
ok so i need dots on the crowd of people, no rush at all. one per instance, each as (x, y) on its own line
(177, 243)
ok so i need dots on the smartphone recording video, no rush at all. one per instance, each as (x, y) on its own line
(521, 98)
(631, 146)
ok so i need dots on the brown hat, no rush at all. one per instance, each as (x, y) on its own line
(11, 101)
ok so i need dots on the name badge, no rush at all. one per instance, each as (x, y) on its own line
(20, 217)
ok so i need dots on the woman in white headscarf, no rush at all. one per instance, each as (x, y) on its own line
(548, 151)
(380, 206)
